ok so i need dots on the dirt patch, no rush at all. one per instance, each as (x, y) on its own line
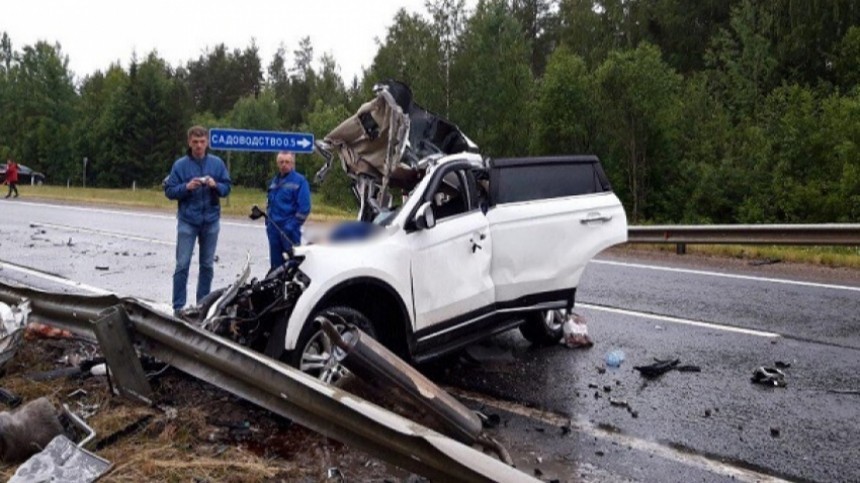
(194, 432)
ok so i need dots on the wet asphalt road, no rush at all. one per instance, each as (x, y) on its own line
(714, 425)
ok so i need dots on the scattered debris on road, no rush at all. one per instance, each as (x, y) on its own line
(614, 358)
(576, 332)
(769, 376)
(662, 366)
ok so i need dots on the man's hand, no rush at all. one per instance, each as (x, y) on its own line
(201, 181)
(193, 184)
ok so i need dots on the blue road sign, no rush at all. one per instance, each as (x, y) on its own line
(242, 140)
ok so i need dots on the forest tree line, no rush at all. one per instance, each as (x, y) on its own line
(702, 111)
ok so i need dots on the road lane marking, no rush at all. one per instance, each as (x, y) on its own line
(677, 320)
(53, 278)
(701, 462)
(728, 275)
(114, 234)
(129, 213)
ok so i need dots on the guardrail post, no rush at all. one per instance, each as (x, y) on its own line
(681, 248)
(112, 332)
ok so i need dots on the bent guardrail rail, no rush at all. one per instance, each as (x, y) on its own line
(274, 386)
(823, 234)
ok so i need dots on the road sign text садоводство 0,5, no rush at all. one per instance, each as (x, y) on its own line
(242, 140)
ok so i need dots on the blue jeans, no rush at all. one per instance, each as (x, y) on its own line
(186, 235)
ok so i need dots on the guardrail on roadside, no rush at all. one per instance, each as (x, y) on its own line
(681, 235)
(264, 382)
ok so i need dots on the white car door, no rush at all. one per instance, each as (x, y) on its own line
(451, 260)
(550, 217)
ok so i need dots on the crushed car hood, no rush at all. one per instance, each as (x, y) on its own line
(391, 138)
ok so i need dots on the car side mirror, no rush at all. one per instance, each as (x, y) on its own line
(424, 217)
(256, 213)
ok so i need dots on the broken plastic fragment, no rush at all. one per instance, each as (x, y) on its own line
(660, 367)
(576, 332)
(12, 321)
(614, 358)
(769, 376)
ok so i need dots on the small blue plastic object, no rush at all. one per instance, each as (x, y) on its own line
(614, 358)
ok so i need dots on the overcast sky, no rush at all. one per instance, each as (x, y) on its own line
(94, 33)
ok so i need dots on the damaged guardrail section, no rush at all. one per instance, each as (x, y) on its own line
(270, 384)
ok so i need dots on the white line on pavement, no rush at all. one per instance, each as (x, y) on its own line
(677, 320)
(705, 463)
(114, 234)
(728, 275)
(129, 213)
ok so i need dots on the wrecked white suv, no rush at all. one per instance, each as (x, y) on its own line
(479, 246)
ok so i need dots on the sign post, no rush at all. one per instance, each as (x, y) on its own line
(85, 172)
(229, 170)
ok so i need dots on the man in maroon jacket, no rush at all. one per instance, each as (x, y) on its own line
(12, 177)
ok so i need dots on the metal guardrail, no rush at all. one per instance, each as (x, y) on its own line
(274, 386)
(824, 235)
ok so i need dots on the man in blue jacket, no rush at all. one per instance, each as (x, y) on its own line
(197, 181)
(289, 204)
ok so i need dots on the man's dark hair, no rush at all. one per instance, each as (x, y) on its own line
(198, 132)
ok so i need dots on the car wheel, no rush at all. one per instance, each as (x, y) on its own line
(314, 352)
(544, 328)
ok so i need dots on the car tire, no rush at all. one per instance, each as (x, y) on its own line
(314, 351)
(544, 328)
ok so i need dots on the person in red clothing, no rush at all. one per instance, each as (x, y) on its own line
(12, 177)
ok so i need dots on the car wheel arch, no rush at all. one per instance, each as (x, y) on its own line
(380, 303)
